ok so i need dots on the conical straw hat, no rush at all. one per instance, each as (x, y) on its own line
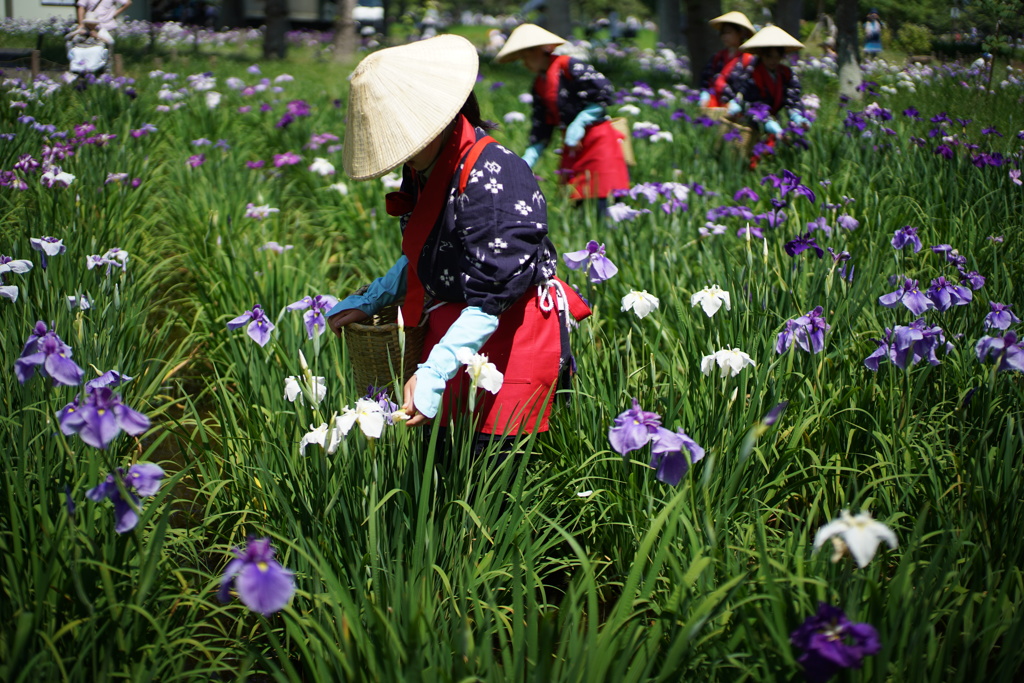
(401, 98)
(772, 36)
(524, 37)
(737, 18)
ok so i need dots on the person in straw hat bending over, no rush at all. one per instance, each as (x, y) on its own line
(570, 95)
(734, 28)
(767, 87)
(475, 250)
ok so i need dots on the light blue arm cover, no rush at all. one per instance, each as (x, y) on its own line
(575, 131)
(797, 119)
(471, 329)
(734, 107)
(705, 96)
(773, 127)
(381, 292)
(532, 153)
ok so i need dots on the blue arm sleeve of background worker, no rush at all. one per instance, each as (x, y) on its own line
(471, 329)
(734, 107)
(797, 119)
(532, 153)
(773, 127)
(575, 131)
(705, 96)
(381, 292)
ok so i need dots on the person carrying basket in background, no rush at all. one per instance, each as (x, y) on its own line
(570, 95)
(734, 29)
(476, 258)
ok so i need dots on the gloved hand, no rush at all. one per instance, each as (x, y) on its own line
(734, 107)
(773, 127)
(532, 154)
(471, 329)
(381, 292)
(704, 98)
(798, 119)
(575, 131)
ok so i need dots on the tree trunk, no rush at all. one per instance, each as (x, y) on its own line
(274, 43)
(232, 14)
(345, 39)
(787, 16)
(558, 18)
(670, 29)
(847, 45)
(701, 39)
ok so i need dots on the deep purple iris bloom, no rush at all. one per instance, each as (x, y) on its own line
(1006, 349)
(45, 350)
(945, 151)
(110, 378)
(912, 113)
(197, 160)
(904, 236)
(802, 243)
(380, 396)
(1001, 317)
(907, 345)
(945, 294)
(672, 453)
(759, 111)
(773, 415)
(952, 255)
(263, 585)
(633, 429)
(808, 331)
(830, 642)
(598, 266)
(910, 296)
(100, 418)
(259, 328)
(142, 479)
(314, 317)
(972, 279)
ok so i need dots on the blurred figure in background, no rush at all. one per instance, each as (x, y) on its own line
(735, 29)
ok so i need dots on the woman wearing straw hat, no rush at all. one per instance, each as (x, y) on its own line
(767, 87)
(476, 255)
(872, 35)
(571, 95)
(734, 29)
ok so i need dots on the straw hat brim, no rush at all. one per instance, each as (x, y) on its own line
(737, 18)
(772, 36)
(524, 37)
(401, 98)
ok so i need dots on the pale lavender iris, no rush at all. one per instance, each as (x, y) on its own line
(847, 222)
(314, 318)
(599, 267)
(945, 294)
(972, 279)
(100, 418)
(619, 212)
(11, 265)
(906, 345)
(904, 236)
(910, 296)
(829, 642)
(263, 585)
(110, 378)
(1000, 317)
(259, 325)
(1006, 349)
(47, 246)
(633, 429)
(807, 331)
(45, 350)
(672, 453)
(142, 479)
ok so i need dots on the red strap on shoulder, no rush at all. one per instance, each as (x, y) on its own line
(471, 157)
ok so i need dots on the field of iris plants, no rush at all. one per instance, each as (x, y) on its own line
(820, 352)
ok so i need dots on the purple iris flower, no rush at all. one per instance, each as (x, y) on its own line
(599, 267)
(910, 296)
(952, 255)
(381, 397)
(259, 163)
(286, 159)
(197, 160)
(830, 642)
(759, 111)
(773, 218)
(773, 415)
(846, 270)
(904, 236)
(45, 350)
(263, 585)
(808, 331)
(945, 294)
(907, 345)
(633, 429)
(47, 246)
(259, 328)
(100, 418)
(912, 113)
(847, 222)
(619, 212)
(819, 224)
(1001, 317)
(314, 317)
(110, 378)
(1006, 349)
(672, 453)
(945, 151)
(972, 279)
(752, 230)
(144, 478)
(745, 193)
(802, 243)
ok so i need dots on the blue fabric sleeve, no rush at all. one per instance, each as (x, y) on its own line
(734, 107)
(575, 131)
(772, 126)
(705, 96)
(471, 329)
(381, 292)
(532, 153)
(797, 119)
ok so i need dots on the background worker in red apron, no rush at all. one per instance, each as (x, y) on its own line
(476, 257)
(735, 29)
(570, 95)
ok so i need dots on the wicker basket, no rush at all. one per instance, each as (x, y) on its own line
(714, 113)
(373, 349)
